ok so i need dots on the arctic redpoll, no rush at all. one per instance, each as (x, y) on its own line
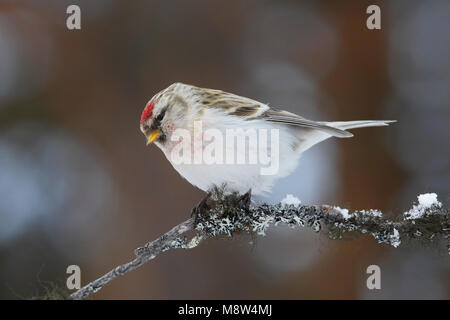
(215, 138)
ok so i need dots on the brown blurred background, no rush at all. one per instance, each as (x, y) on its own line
(79, 186)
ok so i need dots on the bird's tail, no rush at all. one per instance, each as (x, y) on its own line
(312, 137)
(345, 125)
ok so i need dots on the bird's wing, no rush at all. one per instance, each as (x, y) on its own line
(249, 109)
(280, 116)
(231, 104)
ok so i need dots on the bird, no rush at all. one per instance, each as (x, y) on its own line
(171, 119)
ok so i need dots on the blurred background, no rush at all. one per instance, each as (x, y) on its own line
(79, 186)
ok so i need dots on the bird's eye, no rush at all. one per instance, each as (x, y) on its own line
(160, 116)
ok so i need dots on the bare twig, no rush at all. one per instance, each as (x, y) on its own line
(226, 216)
(169, 240)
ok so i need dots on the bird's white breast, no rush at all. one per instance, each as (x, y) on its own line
(237, 177)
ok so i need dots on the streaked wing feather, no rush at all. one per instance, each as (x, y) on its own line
(232, 104)
(279, 116)
(249, 109)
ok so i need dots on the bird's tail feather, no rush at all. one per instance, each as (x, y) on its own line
(345, 125)
(312, 137)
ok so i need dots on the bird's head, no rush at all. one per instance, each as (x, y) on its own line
(161, 116)
(152, 122)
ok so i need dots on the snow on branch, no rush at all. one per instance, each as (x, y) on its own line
(226, 215)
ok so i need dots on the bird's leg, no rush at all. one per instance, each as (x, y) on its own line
(200, 207)
(245, 200)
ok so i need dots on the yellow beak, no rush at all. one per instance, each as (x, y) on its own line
(153, 136)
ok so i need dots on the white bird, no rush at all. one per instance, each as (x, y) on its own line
(192, 126)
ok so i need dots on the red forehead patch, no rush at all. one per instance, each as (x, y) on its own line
(148, 111)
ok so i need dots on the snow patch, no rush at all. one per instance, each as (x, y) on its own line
(373, 213)
(344, 212)
(426, 201)
(290, 200)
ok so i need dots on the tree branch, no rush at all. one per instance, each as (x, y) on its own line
(225, 215)
(169, 240)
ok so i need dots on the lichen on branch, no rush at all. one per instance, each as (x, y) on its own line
(225, 214)
(426, 223)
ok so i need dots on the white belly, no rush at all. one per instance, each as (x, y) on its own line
(241, 177)
(238, 178)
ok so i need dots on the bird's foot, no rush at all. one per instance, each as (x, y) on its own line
(202, 206)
